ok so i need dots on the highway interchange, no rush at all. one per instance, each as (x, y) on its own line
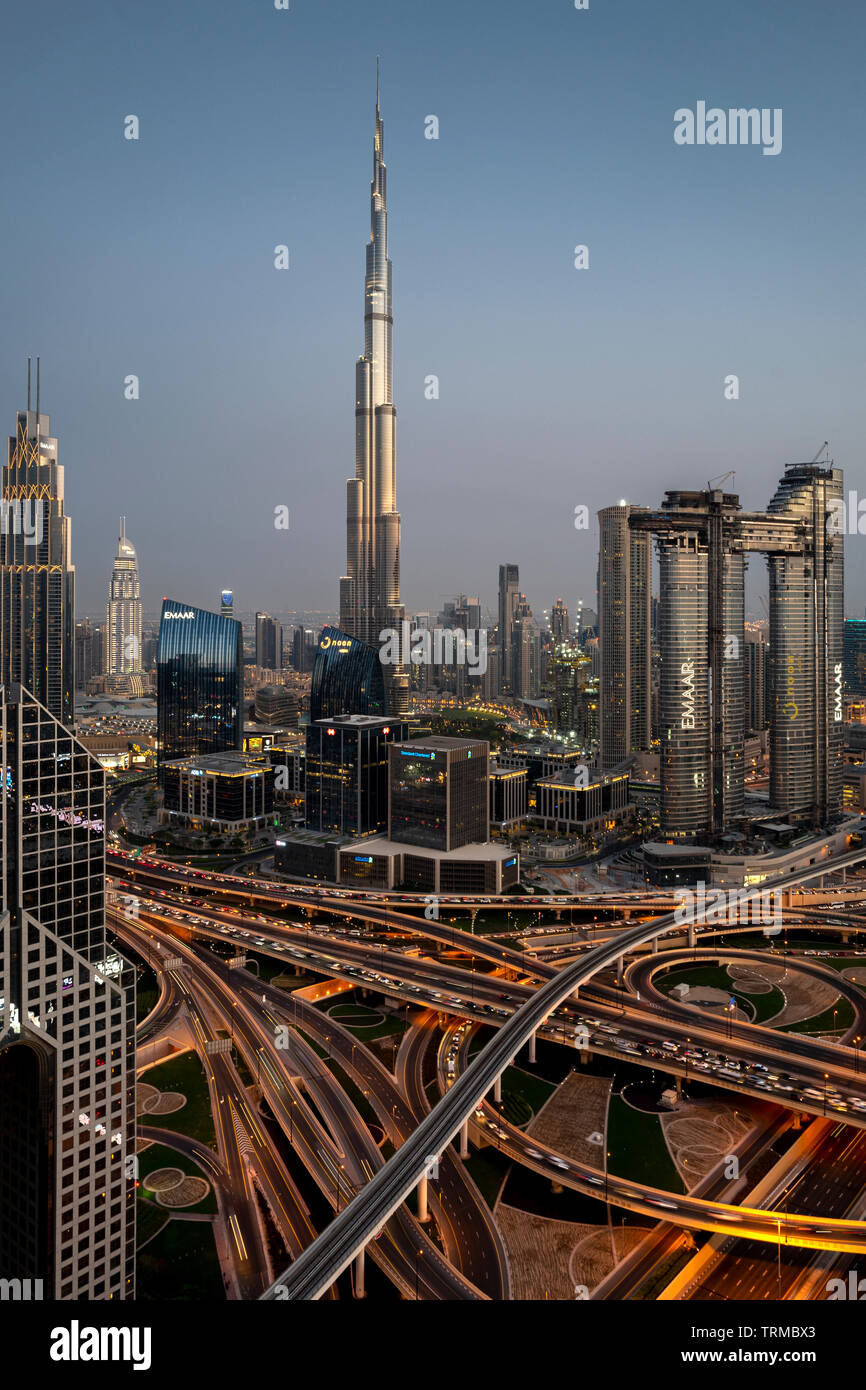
(437, 1239)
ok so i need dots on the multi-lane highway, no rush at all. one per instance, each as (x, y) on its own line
(536, 999)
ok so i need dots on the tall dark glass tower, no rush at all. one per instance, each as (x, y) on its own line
(370, 588)
(347, 677)
(37, 580)
(199, 665)
(624, 591)
(67, 1022)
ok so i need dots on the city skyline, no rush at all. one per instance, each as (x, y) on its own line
(621, 374)
(350, 950)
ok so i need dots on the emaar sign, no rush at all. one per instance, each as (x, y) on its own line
(188, 614)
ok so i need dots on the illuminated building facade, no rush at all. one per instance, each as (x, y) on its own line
(806, 636)
(199, 666)
(347, 773)
(439, 793)
(123, 618)
(226, 793)
(347, 677)
(370, 588)
(67, 1023)
(854, 657)
(703, 539)
(37, 580)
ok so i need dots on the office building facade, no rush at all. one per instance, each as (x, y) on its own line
(347, 773)
(703, 539)
(439, 793)
(199, 682)
(67, 1023)
(37, 578)
(854, 657)
(348, 678)
(806, 604)
(226, 793)
(624, 592)
(509, 598)
(269, 643)
(756, 679)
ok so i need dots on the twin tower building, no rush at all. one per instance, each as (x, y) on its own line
(703, 541)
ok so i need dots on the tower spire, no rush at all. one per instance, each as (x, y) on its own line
(28, 385)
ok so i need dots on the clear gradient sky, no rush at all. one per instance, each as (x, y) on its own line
(558, 387)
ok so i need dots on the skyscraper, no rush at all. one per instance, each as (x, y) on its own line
(348, 678)
(509, 597)
(624, 591)
(703, 539)
(199, 666)
(123, 620)
(854, 657)
(67, 1022)
(370, 589)
(37, 580)
(755, 687)
(88, 652)
(806, 626)
(559, 627)
(269, 643)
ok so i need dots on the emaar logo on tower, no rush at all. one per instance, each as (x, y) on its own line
(188, 614)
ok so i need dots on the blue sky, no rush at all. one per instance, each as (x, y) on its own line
(558, 387)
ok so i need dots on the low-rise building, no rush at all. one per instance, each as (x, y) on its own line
(563, 803)
(218, 794)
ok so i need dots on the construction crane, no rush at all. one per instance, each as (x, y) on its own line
(723, 478)
(824, 446)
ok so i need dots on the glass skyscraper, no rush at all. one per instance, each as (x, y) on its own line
(854, 657)
(347, 773)
(347, 677)
(67, 1023)
(703, 539)
(439, 793)
(624, 588)
(806, 622)
(199, 666)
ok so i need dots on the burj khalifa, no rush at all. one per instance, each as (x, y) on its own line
(370, 589)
